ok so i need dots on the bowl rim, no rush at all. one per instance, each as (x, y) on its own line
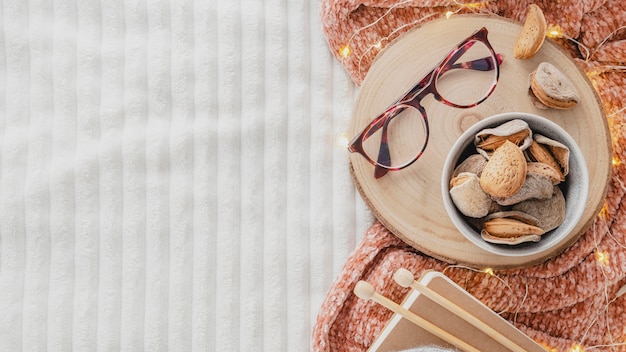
(554, 236)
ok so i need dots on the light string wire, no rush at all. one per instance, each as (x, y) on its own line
(519, 308)
(607, 39)
(554, 32)
(622, 109)
(601, 262)
(379, 44)
(619, 293)
(490, 272)
(602, 258)
(346, 50)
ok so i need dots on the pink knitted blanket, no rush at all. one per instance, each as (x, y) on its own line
(568, 301)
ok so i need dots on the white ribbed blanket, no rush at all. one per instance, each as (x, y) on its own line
(169, 175)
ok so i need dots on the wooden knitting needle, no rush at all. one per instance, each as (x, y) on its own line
(405, 278)
(366, 291)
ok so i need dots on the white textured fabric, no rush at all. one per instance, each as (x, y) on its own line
(170, 178)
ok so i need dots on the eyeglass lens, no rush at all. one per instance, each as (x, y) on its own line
(470, 79)
(406, 135)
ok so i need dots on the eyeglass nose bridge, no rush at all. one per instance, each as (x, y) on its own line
(422, 89)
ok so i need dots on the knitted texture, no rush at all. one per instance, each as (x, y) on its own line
(365, 27)
(567, 300)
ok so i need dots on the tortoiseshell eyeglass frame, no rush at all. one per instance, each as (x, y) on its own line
(413, 97)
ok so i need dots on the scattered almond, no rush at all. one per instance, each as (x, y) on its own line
(532, 35)
(552, 88)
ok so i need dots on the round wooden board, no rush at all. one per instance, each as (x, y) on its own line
(408, 202)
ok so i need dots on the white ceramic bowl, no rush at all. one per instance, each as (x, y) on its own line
(575, 188)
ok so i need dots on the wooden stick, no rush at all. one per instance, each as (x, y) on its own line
(405, 278)
(366, 291)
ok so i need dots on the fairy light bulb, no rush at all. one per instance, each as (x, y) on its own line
(602, 258)
(554, 31)
(577, 348)
(345, 51)
(471, 5)
(604, 211)
(343, 141)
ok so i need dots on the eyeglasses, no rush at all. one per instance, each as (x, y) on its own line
(464, 79)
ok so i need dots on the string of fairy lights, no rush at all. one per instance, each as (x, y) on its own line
(554, 31)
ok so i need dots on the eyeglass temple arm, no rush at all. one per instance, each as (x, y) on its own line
(483, 64)
(384, 157)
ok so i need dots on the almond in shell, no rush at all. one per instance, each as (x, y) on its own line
(506, 227)
(505, 172)
(473, 163)
(512, 227)
(468, 196)
(559, 151)
(551, 153)
(512, 241)
(516, 131)
(536, 186)
(513, 214)
(544, 170)
(550, 212)
(532, 35)
(550, 88)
